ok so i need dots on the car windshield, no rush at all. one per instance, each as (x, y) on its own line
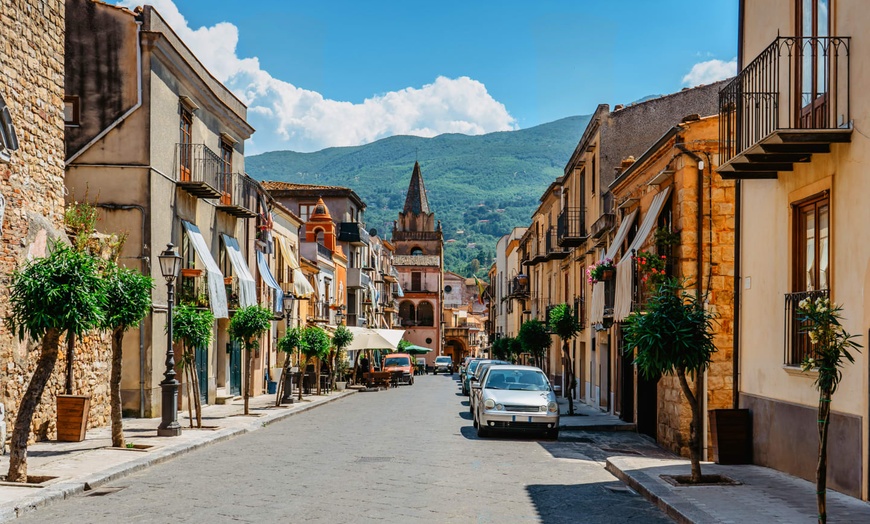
(397, 361)
(443, 360)
(517, 379)
(472, 366)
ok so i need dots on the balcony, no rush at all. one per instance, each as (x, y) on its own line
(797, 343)
(518, 287)
(789, 103)
(572, 227)
(357, 279)
(238, 195)
(198, 170)
(354, 233)
(535, 251)
(456, 332)
(601, 226)
(553, 250)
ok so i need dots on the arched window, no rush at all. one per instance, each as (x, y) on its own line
(318, 235)
(425, 314)
(416, 251)
(407, 313)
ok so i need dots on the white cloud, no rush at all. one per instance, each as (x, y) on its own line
(710, 71)
(289, 117)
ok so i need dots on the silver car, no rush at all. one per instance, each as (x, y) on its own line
(515, 398)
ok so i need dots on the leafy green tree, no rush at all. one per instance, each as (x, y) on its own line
(192, 327)
(341, 338)
(291, 342)
(129, 293)
(535, 339)
(62, 292)
(831, 347)
(247, 326)
(502, 349)
(673, 335)
(565, 326)
(402, 346)
(315, 347)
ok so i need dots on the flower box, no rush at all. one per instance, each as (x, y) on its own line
(190, 272)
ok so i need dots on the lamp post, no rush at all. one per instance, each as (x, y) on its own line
(170, 264)
(289, 299)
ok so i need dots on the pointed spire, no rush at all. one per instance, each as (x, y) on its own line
(416, 201)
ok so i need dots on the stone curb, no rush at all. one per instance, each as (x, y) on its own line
(683, 513)
(69, 488)
(598, 427)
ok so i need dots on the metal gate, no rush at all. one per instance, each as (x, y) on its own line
(202, 373)
(235, 351)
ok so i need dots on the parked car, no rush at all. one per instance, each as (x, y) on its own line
(482, 367)
(464, 364)
(444, 364)
(400, 362)
(466, 372)
(516, 398)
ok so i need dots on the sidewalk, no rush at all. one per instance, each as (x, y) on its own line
(589, 418)
(764, 495)
(83, 466)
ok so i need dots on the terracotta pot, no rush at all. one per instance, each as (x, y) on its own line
(72, 417)
(228, 281)
(607, 274)
(191, 272)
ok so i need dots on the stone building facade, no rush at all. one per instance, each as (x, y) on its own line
(32, 202)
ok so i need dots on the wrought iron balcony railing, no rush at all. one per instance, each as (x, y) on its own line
(198, 170)
(571, 227)
(238, 195)
(797, 343)
(554, 251)
(796, 83)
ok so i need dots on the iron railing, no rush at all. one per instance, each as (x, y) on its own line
(571, 226)
(797, 342)
(552, 246)
(237, 190)
(323, 251)
(795, 83)
(198, 163)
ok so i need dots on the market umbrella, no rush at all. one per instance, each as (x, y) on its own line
(414, 349)
(366, 338)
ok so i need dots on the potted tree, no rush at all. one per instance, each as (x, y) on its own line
(192, 327)
(246, 326)
(129, 293)
(288, 344)
(341, 338)
(565, 325)
(60, 293)
(673, 335)
(831, 346)
(315, 347)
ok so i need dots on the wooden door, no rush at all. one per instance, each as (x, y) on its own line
(814, 62)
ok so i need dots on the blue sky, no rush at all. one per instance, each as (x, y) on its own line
(323, 73)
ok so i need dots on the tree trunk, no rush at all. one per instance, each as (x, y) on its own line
(301, 376)
(70, 359)
(115, 389)
(333, 359)
(317, 375)
(248, 375)
(21, 432)
(187, 382)
(356, 367)
(694, 427)
(280, 389)
(570, 367)
(822, 467)
(194, 379)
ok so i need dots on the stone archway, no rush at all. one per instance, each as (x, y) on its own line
(456, 349)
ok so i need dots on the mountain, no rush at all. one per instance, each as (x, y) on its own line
(480, 187)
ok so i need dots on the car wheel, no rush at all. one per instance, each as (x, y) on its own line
(552, 433)
(483, 431)
(411, 382)
(435, 372)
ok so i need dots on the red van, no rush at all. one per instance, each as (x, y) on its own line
(400, 362)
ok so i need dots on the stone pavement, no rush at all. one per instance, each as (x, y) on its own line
(764, 495)
(82, 466)
(588, 417)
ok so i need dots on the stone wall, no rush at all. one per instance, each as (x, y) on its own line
(32, 184)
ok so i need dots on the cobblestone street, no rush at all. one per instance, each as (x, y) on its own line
(406, 454)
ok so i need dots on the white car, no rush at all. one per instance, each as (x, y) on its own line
(515, 398)
(445, 364)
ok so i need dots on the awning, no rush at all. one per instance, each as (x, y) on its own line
(393, 335)
(624, 273)
(596, 313)
(374, 293)
(287, 252)
(266, 275)
(247, 285)
(301, 287)
(217, 293)
(395, 273)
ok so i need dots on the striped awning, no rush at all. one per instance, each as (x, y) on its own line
(269, 280)
(217, 292)
(247, 285)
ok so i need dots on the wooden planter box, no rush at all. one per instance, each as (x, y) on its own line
(731, 430)
(191, 273)
(72, 417)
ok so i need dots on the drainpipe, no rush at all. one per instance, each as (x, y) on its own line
(146, 270)
(130, 111)
(735, 350)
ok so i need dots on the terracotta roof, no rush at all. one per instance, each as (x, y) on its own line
(271, 185)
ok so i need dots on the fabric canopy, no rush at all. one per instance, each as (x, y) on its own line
(624, 273)
(247, 285)
(414, 349)
(288, 253)
(393, 335)
(596, 313)
(217, 293)
(269, 279)
(399, 291)
(367, 338)
(302, 288)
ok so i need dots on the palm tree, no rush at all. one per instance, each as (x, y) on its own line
(247, 326)
(565, 325)
(63, 292)
(129, 293)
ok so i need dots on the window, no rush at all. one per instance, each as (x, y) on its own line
(226, 172)
(71, 114)
(306, 210)
(425, 314)
(416, 252)
(448, 289)
(594, 173)
(185, 143)
(416, 281)
(810, 270)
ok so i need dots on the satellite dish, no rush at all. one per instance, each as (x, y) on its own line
(373, 232)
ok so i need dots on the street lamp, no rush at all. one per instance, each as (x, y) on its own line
(289, 299)
(339, 315)
(170, 264)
